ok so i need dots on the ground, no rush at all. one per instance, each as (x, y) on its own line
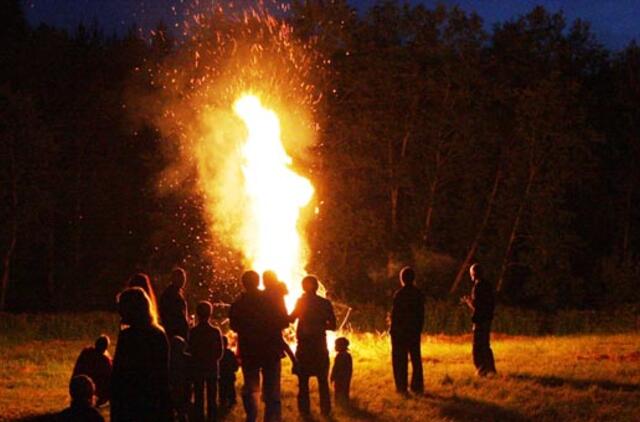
(540, 378)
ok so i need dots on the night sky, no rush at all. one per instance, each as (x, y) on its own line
(615, 22)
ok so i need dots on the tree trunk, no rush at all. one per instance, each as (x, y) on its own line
(628, 222)
(514, 231)
(428, 220)
(13, 233)
(476, 241)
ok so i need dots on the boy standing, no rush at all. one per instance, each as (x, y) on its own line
(205, 344)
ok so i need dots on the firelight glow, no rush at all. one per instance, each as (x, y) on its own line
(276, 195)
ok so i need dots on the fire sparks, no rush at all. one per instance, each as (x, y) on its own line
(276, 195)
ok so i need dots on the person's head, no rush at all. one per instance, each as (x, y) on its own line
(102, 343)
(250, 280)
(203, 311)
(310, 284)
(179, 277)
(134, 307)
(225, 342)
(407, 276)
(270, 280)
(141, 280)
(81, 390)
(342, 344)
(178, 344)
(475, 272)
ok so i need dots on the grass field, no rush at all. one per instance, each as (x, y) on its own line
(572, 378)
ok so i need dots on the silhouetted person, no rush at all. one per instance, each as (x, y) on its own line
(258, 325)
(81, 389)
(482, 304)
(205, 345)
(407, 319)
(341, 372)
(95, 362)
(227, 381)
(140, 377)
(180, 377)
(173, 306)
(315, 316)
(275, 291)
(144, 282)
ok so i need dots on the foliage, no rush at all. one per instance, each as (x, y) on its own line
(438, 143)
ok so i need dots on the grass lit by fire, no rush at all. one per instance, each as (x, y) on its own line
(541, 378)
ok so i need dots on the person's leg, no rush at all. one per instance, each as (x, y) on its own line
(477, 348)
(212, 392)
(198, 402)
(303, 394)
(399, 363)
(489, 363)
(417, 377)
(251, 390)
(271, 391)
(323, 390)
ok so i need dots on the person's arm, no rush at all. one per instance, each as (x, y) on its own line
(349, 365)
(331, 323)
(295, 314)
(219, 345)
(233, 317)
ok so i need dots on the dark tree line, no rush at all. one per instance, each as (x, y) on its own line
(441, 144)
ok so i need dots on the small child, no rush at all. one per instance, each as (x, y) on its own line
(81, 389)
(95, 363)
(227, 382)
(179, 377)
(205, 345)
(341, 372)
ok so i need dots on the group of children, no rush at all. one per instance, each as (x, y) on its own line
(203, 364)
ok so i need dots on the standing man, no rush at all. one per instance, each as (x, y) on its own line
(256, 322)
(315, 316)
(482, 304)
(173, 306)
(407, 319)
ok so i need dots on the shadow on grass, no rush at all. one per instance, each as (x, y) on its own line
(551, 381)
(466, 409)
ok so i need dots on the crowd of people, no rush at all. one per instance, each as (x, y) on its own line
(167, 368)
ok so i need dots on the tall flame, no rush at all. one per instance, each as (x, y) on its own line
(276, 196)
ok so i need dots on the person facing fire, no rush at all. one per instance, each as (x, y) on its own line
(227, 381)
(275, 291)
(81, 389)
(315, 316)
(179, 377)
(341, 372)
(95, 362)
(407, 319)
(258, 326)
(140, 376)
(173, 306)
(482, 304)
(205, 345)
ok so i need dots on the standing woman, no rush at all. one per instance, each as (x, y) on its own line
(140, 377)
(144, 282)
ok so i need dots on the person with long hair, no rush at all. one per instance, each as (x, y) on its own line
(140, 377)
(143, 281)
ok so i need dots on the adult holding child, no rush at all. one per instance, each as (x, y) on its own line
(256, 321)
(140, 377)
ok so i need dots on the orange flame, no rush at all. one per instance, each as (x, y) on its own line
(276, 196)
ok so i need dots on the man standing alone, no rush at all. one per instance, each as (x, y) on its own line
(407, 319)
(482, 303)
